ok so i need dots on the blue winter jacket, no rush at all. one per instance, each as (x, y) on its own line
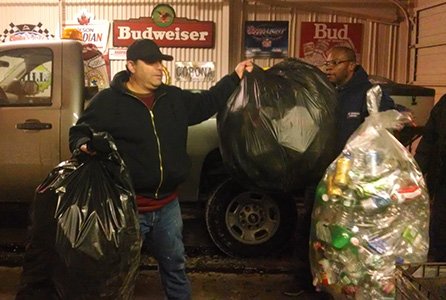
(352, 108)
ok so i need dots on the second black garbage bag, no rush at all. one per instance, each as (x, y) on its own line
(97, 240)
(277, 131)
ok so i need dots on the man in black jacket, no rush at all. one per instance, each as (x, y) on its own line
(431, 157)
(352, 83)
(149, 121)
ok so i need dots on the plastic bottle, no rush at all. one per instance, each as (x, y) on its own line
(321, 193)
(375, 203)
(349, 198)
(340, 236)
(325, 276)
(371, 260)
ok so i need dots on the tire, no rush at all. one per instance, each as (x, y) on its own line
(246, 223)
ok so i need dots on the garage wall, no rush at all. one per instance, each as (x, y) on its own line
(53, 12)
(429, 40)
(385, 45)
(203, 10)
(29, 12)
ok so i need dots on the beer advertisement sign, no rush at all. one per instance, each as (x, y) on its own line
(317, 38)
(165, 29)
(265, 39)
(93, 31)
(195, 71)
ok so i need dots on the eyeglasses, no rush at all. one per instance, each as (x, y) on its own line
(334, 62)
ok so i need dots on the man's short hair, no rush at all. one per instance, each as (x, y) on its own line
(348, 52)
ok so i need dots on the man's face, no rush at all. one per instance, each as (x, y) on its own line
(338, 68)
(147, 76)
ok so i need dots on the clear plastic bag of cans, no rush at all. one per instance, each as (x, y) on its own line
(371, 212)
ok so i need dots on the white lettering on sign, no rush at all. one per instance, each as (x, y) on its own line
(322, 32)
(125, 32)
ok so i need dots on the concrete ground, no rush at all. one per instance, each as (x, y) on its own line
(213, 275)
(206, 286)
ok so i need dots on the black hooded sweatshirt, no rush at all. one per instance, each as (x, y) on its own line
(431, 151)
(152, 142)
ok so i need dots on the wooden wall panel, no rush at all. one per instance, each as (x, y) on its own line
(432, 26)
(430, 45)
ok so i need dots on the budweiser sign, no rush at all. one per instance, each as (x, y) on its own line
(181, 33)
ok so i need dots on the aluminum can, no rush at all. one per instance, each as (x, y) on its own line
(373, 159)
(343, 166)
(332, 189)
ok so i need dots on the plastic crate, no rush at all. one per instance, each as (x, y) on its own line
(421, 281)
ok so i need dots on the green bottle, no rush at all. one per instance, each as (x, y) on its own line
(340, 236)
(321, 193)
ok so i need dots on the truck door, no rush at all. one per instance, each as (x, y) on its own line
(29, 119)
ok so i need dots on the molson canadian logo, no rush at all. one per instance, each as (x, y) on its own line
(165, 29)
(93, 31)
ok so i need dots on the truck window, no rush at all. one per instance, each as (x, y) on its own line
(26, 77)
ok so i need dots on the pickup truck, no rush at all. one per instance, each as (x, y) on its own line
(42, 93)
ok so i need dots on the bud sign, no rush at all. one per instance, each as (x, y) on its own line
(323, 32)
(319, 37)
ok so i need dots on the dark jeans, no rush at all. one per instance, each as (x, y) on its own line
(304, 278)
(162, 234)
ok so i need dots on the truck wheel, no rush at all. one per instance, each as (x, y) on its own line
(249, 223)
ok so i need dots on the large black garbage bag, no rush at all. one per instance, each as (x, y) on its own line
(277, 131)
(97, 238)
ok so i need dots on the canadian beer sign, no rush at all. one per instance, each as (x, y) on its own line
(165, 30)
(93, 31)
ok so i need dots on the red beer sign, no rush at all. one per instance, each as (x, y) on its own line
(317, 38)
(182, 33)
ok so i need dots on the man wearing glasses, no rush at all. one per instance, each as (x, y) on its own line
(351, 82)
